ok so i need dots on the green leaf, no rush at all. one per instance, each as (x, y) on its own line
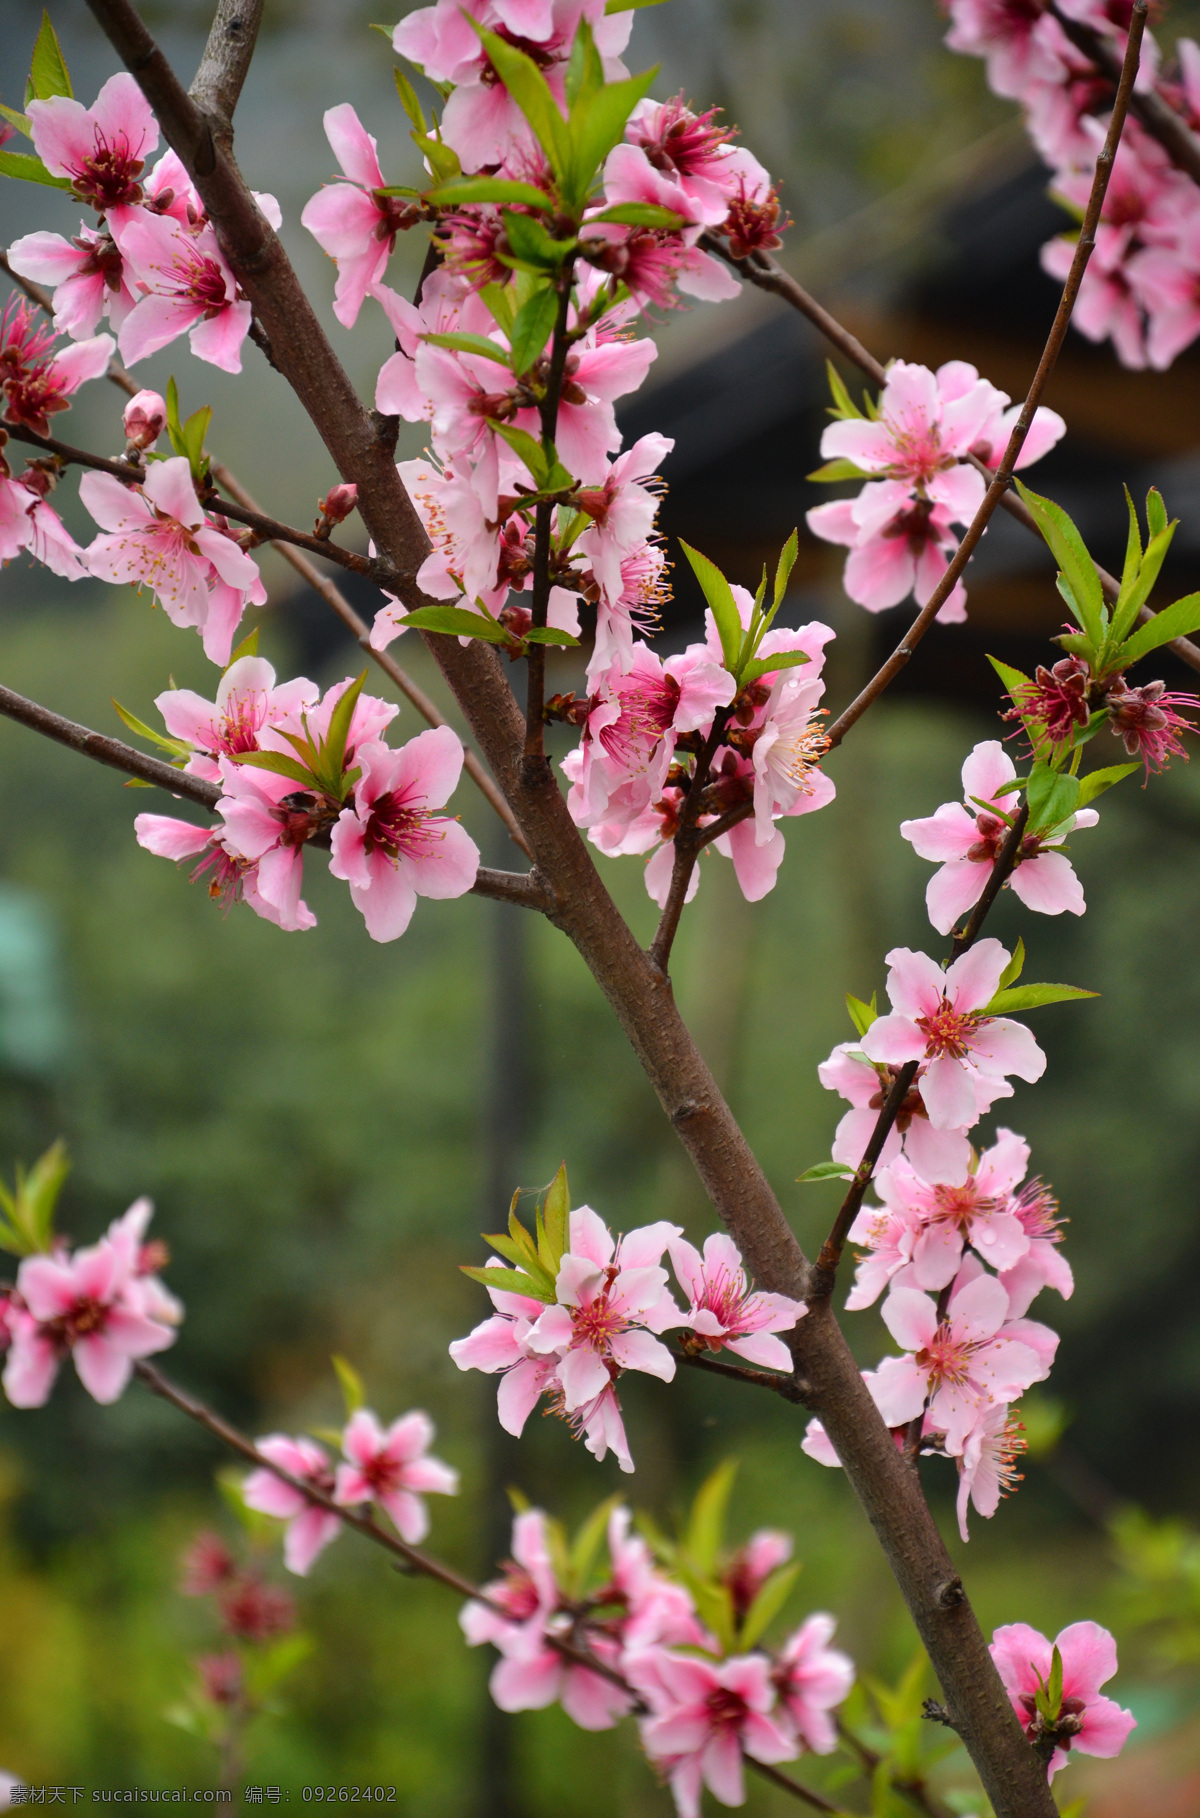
(522, 1255)
(628, 6)
(177, 747)
(535, 457)
(766, 1606)
(533, 95)
(1133, 545)
(30, 170)
(533, 327)
(861, 1015)
(1033, 997)
(587, 1541)
(714, 1605)
(408, 97)
(265, 1668)
(1134, 595)
(441, 160)
(1051, 796)
(549, 634)
(488, 189)
(334, 748)
(1014, 968)
(829, 1170)
(479, 345)
(719, 595)
(247, 647)
(841, 469)
(30, 1206)
(1177, 621)
(48, 71)
(783, 570)
(521, 1237)
(530, 244)
(1156, 512)
(639, 214)
(499, 300)
(1097, 781)
(585, 71)
(281, 766)
(760, 666)
(20, 121)
(706, 1523)
(456, 621)
(353, 1393)
(597, 124)
(554, 1220)
(1015, 680)
(843, 403)
(512, 1281)
(1070, 552)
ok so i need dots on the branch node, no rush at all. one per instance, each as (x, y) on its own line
(950, 1594)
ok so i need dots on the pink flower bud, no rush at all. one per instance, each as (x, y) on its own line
(207, 1564)
(145, 419)
(338, 502)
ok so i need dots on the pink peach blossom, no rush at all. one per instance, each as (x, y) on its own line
(987, 1467)
(939, 1018)
(310, 1528)
(723, 1311)
(27, 522)
(980, 1209)
(392, 1468)
(35, 393)
(621, 512)
(187, 288)
(811, 1678)
(352, 221)
(102, 149)
(1089, 1722)
(87, 274)
(267, 825)
(706, 1716)
(936, 1154)
(247, 699)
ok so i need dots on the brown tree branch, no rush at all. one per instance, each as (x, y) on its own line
(640, 996)
(787, 1386)
(225, 64)
(689, 840)
(105, 750)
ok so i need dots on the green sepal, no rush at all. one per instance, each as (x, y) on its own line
(354, 1393)
(1033, 997)
(719, 595)
(1014, 968)
(29, 169)
(510, 1281)
(829, 1170)
(1097, 781)
(532, 328)
(479, 345)
(1177, 621)
(766, 1606)
(48, 71)
(471, 190)
(841, 469)
(456, 621)
(1085, 594)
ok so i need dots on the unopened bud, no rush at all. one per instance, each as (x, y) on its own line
(145, 420)
(336, 506)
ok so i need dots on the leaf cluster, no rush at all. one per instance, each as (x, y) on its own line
(535, 1256)
(188, 438)
(320, 762)
(739, 647)
(48, 76)
(27, 1224)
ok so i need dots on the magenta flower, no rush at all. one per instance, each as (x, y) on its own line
(966, 839)
(980, 1209)
(352, 221)
(706, 1716)
(310, 1528)
(692, 151)
(1146, 721)
(898, 545)
(248, 698)
(938, 1017)
(268, 822)
(27, 522)
(87, 1304)
(102, 149)
(957, 1366)
(187, 288)
(531, 1673)
(498, 1346)
(160, 538)
(389, 845)
(34, 393)
(811, 1678)
(1089, 1722)
(87, 275)
(987, 1468)
(1042, 1265)
(724, 1314)
(392, 1469)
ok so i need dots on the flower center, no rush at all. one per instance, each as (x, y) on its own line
(946, 1358)
(948, 1032)
(107, 177)
(647, 708)
(726, 1709)
(400, 831)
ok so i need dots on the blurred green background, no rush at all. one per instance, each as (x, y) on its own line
(326, 1125)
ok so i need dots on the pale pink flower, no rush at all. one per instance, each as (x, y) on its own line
(966, 839)
(231, 878)
(811, 1678)
(936, 1154)
(87, 275)
(598, 371)
(248, 698)
(817, 1444)
(656, 1610)
(390, 846)
(498, 1346)
(531, 1673)
(1022, 42)
(392, 1468)
(160, 538)
(145, 1291)
(898, 545)
(938, 1017)
(959, 1365)
(706, 1715)
(691, 150)
(268, 822)
(102, 149)
(187, 288)
(352, 221)
(889, 1235)
(1043, 1264)
(447, 306)
(1107, 306)
(622, 512)
(787, 752)
(744, 1577)
(34, 393)
(370, 717)
(27, 522)
(83, 1304)
(925, 427)
(723, 1310)
(1089, 1722)
(644, 589)
(987, 1469)
(980, 1209)
(310, 1528)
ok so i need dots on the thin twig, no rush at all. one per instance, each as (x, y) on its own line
(916, 1790)
(689, 840)
(543, 527)
(805, 1794)
(1003, 474)
(1160, 120)
(787, 1386)
(104, 750)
